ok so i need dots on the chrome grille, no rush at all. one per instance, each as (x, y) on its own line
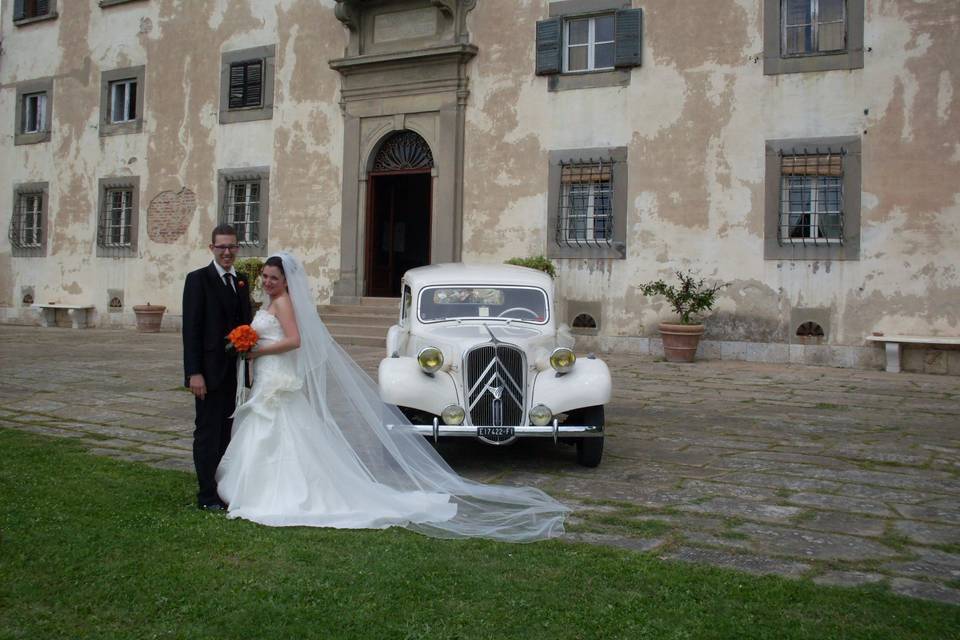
(495, 383)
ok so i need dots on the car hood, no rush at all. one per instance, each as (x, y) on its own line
(457, 338)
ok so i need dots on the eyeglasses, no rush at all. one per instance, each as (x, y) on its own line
(225, 247)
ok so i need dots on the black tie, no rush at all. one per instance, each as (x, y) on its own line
(230, 283)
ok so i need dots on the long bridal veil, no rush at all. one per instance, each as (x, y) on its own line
(391, 452)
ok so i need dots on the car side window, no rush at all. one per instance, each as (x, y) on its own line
(405, 306)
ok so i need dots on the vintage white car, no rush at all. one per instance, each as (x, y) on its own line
(478, 352)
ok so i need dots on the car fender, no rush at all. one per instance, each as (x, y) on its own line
(403, 383)
(395, 340)
(586, 385)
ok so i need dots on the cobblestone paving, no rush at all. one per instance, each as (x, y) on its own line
(843, 477)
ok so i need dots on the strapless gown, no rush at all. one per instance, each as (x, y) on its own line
(285, 467)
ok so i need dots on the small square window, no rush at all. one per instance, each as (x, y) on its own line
(28, 221)
(118, 217)
(123, 101)
(813, 199)
(27, 11)
(246, 84)
(812, 35)
(33, 111)
(587, 203)
(589, 44)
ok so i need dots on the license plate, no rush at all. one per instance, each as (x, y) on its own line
(495, 432)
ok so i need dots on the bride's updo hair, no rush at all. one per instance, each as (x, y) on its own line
(275, 261)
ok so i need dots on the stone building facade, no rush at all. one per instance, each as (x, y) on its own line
(805, 151)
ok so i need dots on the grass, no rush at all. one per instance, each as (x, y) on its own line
(96, 548)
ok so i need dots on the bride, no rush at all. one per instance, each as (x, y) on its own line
(314, 445)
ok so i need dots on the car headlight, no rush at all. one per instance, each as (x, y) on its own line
(452, 414)
(430, 359)
(562, 359)
(540, 415)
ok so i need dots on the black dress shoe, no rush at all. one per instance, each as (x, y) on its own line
(213, 506)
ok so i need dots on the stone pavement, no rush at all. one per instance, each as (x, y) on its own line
(840, 476)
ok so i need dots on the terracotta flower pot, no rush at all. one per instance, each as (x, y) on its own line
(680, 341)
(149, 317)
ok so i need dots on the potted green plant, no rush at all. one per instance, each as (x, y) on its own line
(251, 268)
(691, 297)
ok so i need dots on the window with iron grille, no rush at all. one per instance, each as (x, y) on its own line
(812, 35)
(244, 205)
(243, 210)
(28, 220)
(123, 100)
(246, 84)
(31, 10)
(585, 210)
(118, 217)
(813, 198)
(587, 203)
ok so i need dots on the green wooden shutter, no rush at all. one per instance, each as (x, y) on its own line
(18, 10)
(628, 31)
(549, 46)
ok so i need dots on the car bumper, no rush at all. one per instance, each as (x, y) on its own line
(554, 430)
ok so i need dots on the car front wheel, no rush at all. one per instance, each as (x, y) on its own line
(590, 450)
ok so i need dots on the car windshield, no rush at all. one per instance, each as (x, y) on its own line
(505, 303)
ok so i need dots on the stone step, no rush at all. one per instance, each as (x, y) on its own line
(348, 319)
(338, 330)
(365, 341)
(366, 301)
(359, 309)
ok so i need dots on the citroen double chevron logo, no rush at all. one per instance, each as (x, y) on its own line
(496, 392)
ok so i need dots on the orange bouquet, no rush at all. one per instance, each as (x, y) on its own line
(241, 340)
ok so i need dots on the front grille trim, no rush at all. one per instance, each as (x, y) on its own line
(489, 366)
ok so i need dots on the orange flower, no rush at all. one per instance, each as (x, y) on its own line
(242, 339)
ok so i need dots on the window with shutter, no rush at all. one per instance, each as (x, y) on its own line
(121, 101)
(593, 48)
(26, 11)
(246, 85)
(33, 110)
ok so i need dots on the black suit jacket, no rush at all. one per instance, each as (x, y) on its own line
(209, 314)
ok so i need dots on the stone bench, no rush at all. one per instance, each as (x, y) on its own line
(79, 314)
(894, 346)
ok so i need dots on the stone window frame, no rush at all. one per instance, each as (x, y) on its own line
(852, 184)
(247, 174)
(51, 14)
(266, 54)
(118, 182)
(24, 188)
(618, 248)
(107, 78)
(104, 4)
(25, 88)
(617, 77)
(774, 63)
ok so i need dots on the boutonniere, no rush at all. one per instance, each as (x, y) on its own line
(241, 284)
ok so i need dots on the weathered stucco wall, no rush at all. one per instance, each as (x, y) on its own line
(182, 145)
(695, 118)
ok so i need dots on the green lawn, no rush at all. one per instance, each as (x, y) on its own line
(95, 548)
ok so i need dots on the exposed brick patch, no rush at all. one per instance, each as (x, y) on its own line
(169, 215)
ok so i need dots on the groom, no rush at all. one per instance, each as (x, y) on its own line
(216, 299)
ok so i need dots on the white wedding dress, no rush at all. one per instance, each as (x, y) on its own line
(287, 466)
(315, 445)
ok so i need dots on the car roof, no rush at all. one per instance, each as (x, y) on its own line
(477, 273)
